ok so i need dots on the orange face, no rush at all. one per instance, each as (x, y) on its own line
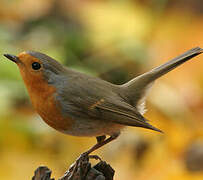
(30, 68)
(40, 92)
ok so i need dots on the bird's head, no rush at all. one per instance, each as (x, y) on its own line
(36, 66)
(38, 71)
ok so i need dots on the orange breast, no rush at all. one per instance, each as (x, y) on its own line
(43, 100)
(50, 112)
(42, 94)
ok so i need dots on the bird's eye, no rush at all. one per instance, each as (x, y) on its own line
(36, 65)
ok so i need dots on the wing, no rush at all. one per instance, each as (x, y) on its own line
(87, 97)
(120, 112)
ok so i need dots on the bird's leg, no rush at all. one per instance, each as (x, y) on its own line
(100, 138)
(101, 141)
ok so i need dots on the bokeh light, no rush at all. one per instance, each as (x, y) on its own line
(115, 40)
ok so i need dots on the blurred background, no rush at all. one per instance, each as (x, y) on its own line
(115, 40)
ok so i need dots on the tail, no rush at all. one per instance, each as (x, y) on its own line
(137, 87)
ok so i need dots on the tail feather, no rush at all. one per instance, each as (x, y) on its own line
(170, 65)
(137, 87)
(149, 126)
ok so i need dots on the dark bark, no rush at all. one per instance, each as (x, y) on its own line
(80, 170)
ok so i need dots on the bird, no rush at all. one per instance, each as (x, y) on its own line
(78, 104)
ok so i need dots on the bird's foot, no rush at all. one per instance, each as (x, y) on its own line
(96, 157)
(83, 157)
(81, 163)
(86, 156)
(83, 169)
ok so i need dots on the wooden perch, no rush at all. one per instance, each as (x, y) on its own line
(80, 170)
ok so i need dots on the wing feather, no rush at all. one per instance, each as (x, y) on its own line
(123, 113)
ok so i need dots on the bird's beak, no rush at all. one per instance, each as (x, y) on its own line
(13, 58)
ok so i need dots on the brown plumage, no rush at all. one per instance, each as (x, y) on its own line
(81, 105)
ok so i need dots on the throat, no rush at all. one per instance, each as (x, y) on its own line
(40, 92)
(44, 102)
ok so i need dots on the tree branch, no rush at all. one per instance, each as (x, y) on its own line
(80, 170)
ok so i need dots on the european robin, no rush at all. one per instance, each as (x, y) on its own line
(78, 104)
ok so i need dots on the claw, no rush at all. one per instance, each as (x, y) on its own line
(83, 157)
(73, 168)
(96, 157)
